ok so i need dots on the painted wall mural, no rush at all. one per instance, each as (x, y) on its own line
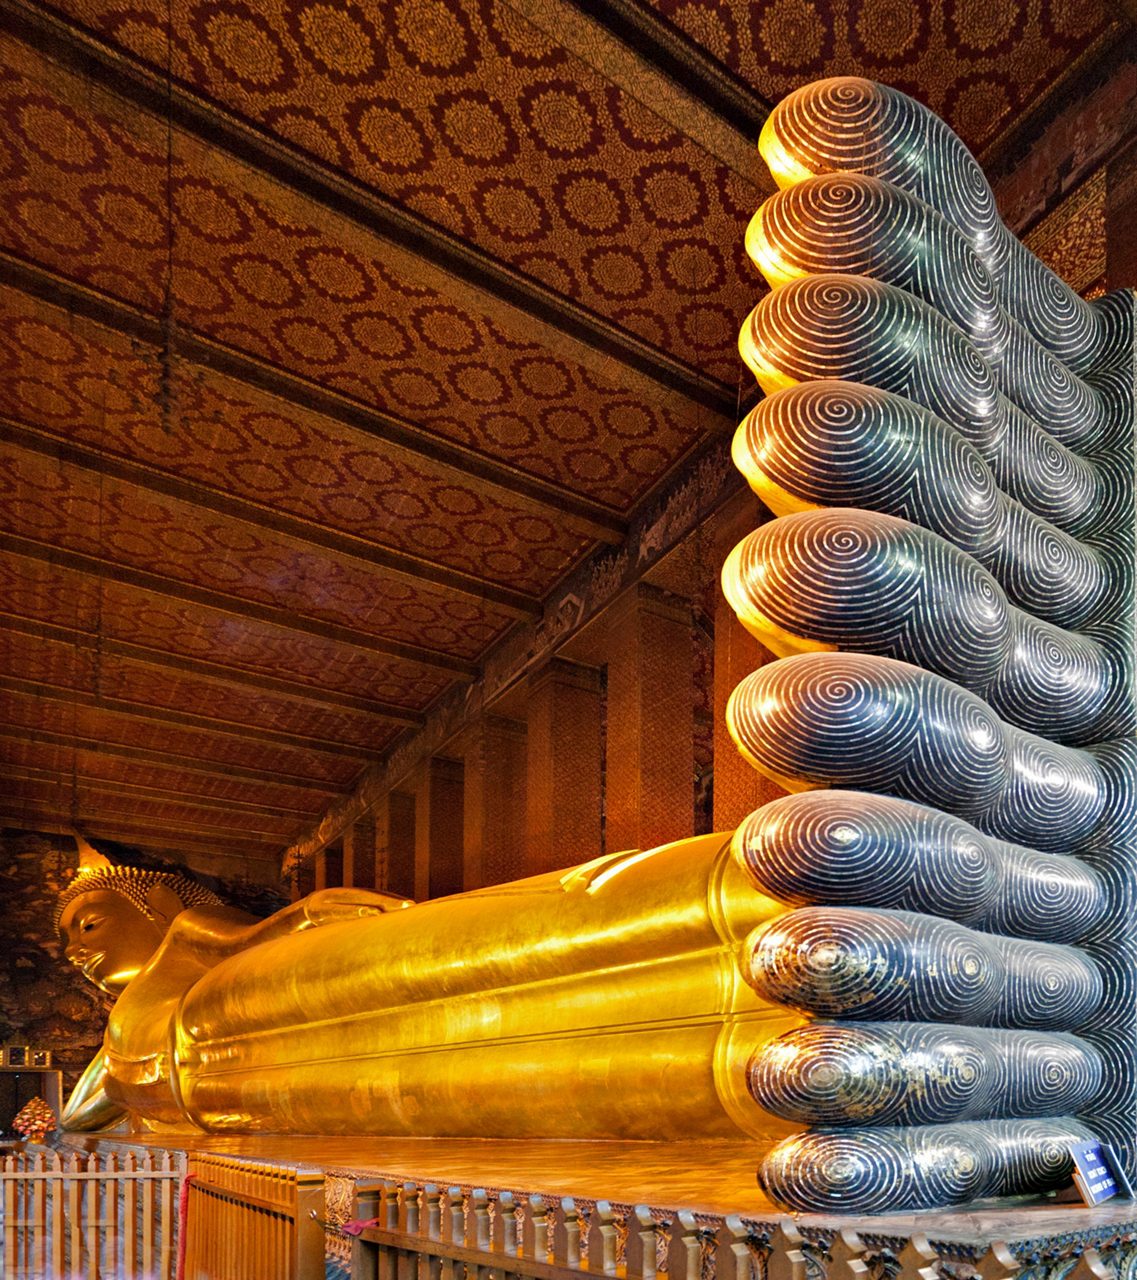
(947, 439)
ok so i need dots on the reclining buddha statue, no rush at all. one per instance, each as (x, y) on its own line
(913, 976)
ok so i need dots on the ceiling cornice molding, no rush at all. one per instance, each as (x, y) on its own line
(414, 569)
(1079, 131)
(1085, 74)
(592, 519)
(235, 677)
(236, 606)
(185, 719)
(168, 760)
(434, 255)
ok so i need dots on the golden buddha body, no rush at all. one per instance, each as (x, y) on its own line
(603, 1001)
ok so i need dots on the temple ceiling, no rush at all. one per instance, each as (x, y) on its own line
(338, 337)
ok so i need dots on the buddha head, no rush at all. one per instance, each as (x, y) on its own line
(111, 918)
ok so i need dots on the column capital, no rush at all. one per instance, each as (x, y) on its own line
(574, 675)
(645, 597)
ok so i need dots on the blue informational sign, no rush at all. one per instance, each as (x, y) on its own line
(1097, 1172)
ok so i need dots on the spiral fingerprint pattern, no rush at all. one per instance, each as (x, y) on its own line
(861, 580)
(856, 962)
(850, 125)
(853, 224)
(875, 724)
(842, 444)
(849, 848)
(866, 1170)
(895, 1073)
(947, 439)
(841, 326)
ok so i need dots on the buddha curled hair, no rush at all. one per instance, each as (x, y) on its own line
(135, 884)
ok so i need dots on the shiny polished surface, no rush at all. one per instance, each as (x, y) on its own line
(921, 1073)
(947, 439)
(108, 939)
(602, 1001)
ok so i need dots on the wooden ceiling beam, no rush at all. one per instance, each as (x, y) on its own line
(169, 760)
(1082, 77)
(662, 46)
(87, 783)
(214, 671)
(275, 737)
(236, 606)
(589, 518)
(412, 568)
(50, 820)
(411, 239)
(203, 830)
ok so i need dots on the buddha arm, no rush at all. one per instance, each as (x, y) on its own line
(135, 1059)
(88, 1109)
(325, 906)
(207, 935)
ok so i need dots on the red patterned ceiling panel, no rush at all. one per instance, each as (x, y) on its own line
(81, 381)
(107, 676)
(975, 62)
(90, 766)
(261, 270)
(40, 715)
(84, 800)
(475, 119)
(97, 516)
(58, 596)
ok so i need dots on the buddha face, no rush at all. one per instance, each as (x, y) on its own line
(108, 938)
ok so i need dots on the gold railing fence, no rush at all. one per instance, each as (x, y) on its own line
(248, 1220)
(73, 1216)
(412, 1232)
(428, 1233)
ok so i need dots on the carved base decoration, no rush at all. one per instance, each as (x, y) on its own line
(571, 1238)
(947, 440)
